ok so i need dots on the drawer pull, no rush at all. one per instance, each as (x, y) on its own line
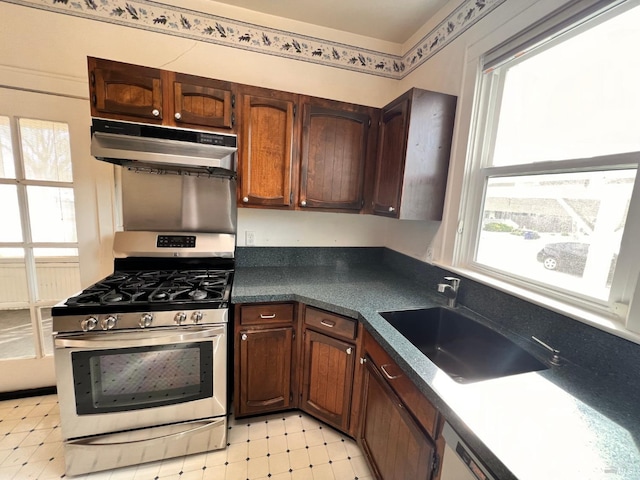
(390, 377)
(267, 316)
(327, 323)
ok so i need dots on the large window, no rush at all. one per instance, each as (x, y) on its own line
(552, 204)
(38, 244)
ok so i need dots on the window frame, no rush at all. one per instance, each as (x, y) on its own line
(34, 303)
(619, 315)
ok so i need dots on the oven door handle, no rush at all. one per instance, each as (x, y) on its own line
(133, 339)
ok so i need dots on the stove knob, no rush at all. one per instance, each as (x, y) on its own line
(196, 316)
(180, 318)
(145, 320)
(108, 323)
(89, 323)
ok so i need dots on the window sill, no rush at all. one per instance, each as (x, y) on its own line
(599, 321)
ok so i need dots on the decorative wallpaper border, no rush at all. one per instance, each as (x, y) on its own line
(177, 21)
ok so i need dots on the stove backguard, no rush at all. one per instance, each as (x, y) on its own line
(156, 200)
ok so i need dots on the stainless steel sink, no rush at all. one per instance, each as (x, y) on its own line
(464, 349)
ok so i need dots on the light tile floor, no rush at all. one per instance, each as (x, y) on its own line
(288, 446)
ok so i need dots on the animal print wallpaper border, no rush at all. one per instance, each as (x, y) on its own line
(172, 20)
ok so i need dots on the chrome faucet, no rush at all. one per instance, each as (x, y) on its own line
(450, 290)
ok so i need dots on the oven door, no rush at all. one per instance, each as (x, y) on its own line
(108, 382)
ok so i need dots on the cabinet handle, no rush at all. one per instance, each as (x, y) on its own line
(391, 209)
(244, 336)
(178, 116)
(327, 323)
(155, 112)
(262, 315)
(92, 78)
(245, 199)
(349, 350)
(303, 203)
(390, 377)
(363, 360)
(94, 100)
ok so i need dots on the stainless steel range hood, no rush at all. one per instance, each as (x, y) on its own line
(164, 148)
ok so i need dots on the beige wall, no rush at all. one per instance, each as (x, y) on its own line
(47, 51)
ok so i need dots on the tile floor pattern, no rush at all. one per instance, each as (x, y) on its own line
(289, 446)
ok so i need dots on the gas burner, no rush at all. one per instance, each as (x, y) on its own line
(157, 287)
(113, 297)
(198, 294)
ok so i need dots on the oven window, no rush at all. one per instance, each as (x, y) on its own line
(117, 380)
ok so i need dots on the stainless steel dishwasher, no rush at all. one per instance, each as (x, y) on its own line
(459, 463)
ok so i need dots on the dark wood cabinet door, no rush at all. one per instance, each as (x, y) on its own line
(202, 102)
(123, 91)
(328, 378)
(334, 156)
(267, 149)
(390, 158)
(394, 444)
(265, 370)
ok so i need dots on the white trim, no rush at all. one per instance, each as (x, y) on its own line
(44, 82)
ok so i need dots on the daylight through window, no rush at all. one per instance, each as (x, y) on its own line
(555, 161)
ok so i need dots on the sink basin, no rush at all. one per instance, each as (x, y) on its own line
(464, 349)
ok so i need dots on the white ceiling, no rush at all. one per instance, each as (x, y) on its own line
(390, 20)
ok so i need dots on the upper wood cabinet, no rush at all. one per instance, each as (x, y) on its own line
(202, 102)
(336, 153)
(268, 142)
(295, 151)
(322, 159)
(412, 162)
(122, 91)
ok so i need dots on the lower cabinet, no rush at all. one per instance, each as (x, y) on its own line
(337, 372)
(399, 428)
(327, 385)
(393, 442)
(264, 355)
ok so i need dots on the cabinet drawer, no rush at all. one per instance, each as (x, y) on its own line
(415, 401)
(266, 313)
(330, 323)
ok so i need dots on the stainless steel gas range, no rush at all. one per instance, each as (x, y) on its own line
(141, 356)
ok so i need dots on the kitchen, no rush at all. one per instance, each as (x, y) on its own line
(61, 68)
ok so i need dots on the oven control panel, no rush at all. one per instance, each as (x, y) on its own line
(176, 241)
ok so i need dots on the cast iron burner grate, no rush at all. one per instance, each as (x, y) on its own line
(153, 287)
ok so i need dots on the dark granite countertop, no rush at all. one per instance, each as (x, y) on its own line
(561, 423)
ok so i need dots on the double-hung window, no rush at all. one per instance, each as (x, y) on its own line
(552, 203)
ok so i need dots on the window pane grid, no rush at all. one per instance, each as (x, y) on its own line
(46, 150)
